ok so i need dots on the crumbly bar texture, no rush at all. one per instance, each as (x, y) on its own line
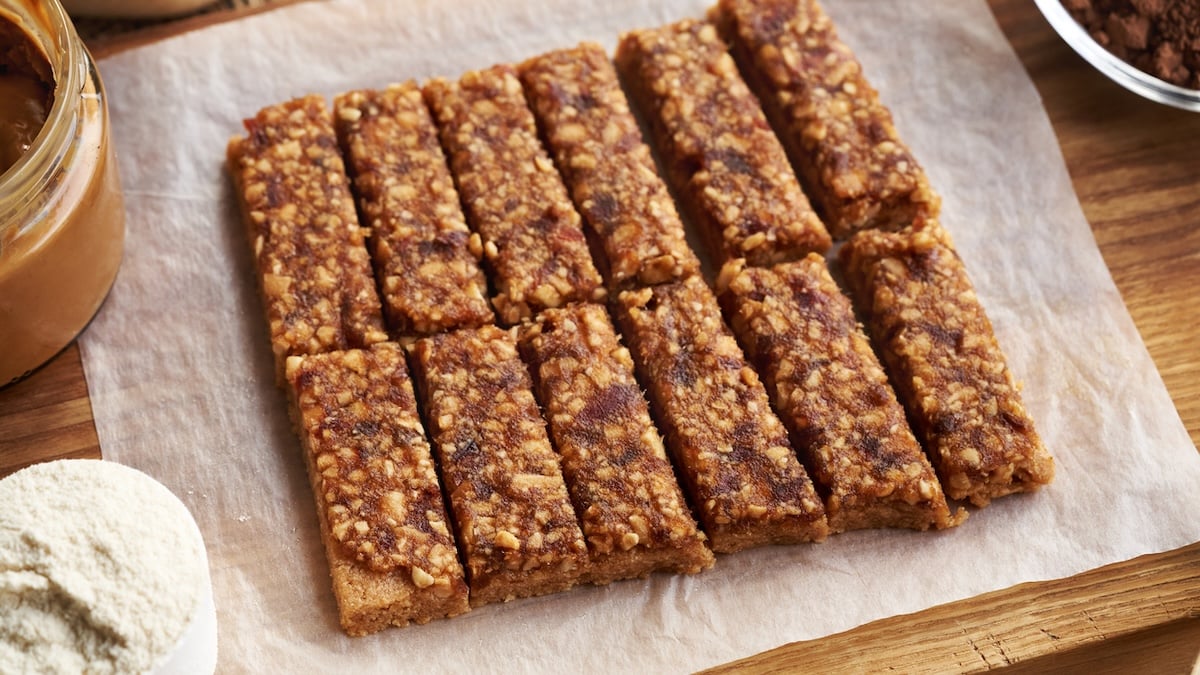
(516, 526)
(391, 554)
(532, 237)
(732, 452)
(631, 509)
(727, 166)
(840, 137)
(932, 333)
(833, 396)
(425, 257)
(313, 269)
(587, 124)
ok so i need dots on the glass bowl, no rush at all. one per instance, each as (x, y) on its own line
(1112, 67)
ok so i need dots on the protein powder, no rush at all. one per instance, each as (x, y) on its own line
(102, 570)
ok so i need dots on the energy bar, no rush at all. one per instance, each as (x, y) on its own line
(531, 235)
(313, 269)
(728, 169)
(595, 140)
(632, 512)
(517, 529)
(938, 345)
(732, 453)
(390, 551)
(839, 135)
(833, 396)
(420, 244)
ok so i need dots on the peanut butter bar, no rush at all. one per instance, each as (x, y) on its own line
(420, 244)
(632, 512)
(313, 267)
(532, 236)
(833, 396)
(731, 451)
(727, 166)
(516, 526)
(390, 551)
(840, 137)
(589, 128)
(941, 353)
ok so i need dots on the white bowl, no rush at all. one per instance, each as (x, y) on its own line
(196, 650)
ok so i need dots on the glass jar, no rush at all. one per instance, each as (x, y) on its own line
(62, 219)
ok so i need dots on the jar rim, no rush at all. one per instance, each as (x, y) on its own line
(53, 33)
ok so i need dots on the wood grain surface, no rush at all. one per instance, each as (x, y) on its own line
(1136, 169)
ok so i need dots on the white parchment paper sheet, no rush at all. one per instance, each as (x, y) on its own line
(180, 374)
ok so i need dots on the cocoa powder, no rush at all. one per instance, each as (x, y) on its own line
(1160, 37)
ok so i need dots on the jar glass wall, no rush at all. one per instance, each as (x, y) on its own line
(62, 220)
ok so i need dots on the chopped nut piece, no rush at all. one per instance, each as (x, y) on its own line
(507, 540)
(518, 532)
(833, 396)
(390, 552)
(588, 126)
(430, 280)
(839, 135)
(421, 578)
(732, 452)
(928, 325)
(633, 514)
(726, 164)
(313, 267)
(533, 241)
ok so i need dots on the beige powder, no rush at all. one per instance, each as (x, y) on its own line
(101, 569)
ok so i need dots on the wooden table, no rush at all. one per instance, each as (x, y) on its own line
(1136, 169)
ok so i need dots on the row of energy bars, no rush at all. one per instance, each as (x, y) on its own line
(550, 456)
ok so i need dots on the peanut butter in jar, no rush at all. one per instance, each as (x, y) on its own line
(62, 220)
(26, 92)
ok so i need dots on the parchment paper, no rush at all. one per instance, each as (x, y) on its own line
(180, 374)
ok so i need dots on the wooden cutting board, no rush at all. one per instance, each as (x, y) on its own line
(1136, 169)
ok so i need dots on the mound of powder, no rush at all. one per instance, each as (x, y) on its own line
(1160, 37)
(101, 569)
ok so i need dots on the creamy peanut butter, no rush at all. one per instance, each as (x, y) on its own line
(22, 114)
(61, 212)
(26, 92)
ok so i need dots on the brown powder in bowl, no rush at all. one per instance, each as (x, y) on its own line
(1160, 37)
